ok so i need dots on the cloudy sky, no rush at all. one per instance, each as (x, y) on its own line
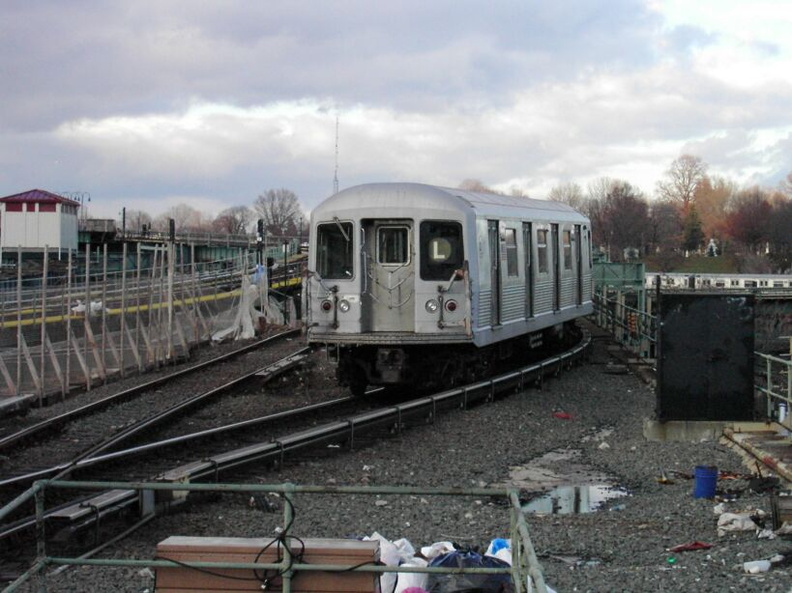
(148, 104)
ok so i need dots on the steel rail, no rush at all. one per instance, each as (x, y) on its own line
(135, 429)
(117, 398)
(342, 431)
(86, 512)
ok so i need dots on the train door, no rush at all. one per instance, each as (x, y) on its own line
(495, 271)
(529, 271)
(390, 276)
(556, 267)
(577, 239)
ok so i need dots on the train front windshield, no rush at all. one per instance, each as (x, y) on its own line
(334, 251)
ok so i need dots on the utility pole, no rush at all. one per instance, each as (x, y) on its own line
(335, 178)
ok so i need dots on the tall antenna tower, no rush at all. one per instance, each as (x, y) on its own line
(335, 177)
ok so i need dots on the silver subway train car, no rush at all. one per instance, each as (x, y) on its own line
(411, 284)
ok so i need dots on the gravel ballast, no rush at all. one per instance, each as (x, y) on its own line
(589, 418)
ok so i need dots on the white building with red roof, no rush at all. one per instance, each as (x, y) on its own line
(35, 219)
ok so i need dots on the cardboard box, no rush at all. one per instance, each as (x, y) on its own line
(340, 552)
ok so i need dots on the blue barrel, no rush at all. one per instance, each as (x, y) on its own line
(706, 477)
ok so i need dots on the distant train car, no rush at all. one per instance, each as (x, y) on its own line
(679, 280)
(411, 284)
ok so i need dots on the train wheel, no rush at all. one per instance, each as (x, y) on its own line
(451, 374)
(357, 386)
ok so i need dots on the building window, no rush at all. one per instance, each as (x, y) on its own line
(47, 207)
(13, 207)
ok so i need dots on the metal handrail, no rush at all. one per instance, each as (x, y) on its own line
(776, 367)
(526, 572)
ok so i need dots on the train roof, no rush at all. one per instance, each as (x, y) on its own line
(376, 196)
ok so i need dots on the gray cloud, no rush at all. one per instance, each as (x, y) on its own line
(148, 101)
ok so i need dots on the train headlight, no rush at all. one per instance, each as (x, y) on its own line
(343, 305)
(432, 306)
(451, 306)
(326, 306)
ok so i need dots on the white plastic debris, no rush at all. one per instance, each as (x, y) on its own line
(437, 549)
(501, 549)
(393, 554)
(736, 522)
(405, 580)
(756, 566)
(785, 529)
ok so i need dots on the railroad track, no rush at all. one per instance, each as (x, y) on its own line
(41, 429)
(88, 457)
(345, 432)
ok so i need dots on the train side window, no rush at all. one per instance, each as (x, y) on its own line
(541, 251)
(567, 240)
(509, 241)
(334, 250)
(441, 249)
(393, 245)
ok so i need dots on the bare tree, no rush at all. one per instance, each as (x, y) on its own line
(516, 191)
(779, 236)
(186, 219)
(599, 188)
(786, 185)
(665, 227)
(684, 176)
(136, 219)
(568, 193)
(625, 219)
(280, 210)
(746, 222)
(233, 221)
(475, 185)
(712, 197)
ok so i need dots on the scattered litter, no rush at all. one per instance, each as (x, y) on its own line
(785, 529)
(483, 583)
(501, 549)
(759, 566)
(395, 553)
(740, 522)
(262, 503)
(695, 545)
(562, 415)
(766, 534)
(664, 479)
(762, 484)
(756, 566)
(437, 549)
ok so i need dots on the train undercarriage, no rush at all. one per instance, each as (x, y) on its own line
(440, 366)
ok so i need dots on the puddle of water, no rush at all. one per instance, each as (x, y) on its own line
(567, 500)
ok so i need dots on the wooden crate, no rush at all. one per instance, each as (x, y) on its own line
(341, 552)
